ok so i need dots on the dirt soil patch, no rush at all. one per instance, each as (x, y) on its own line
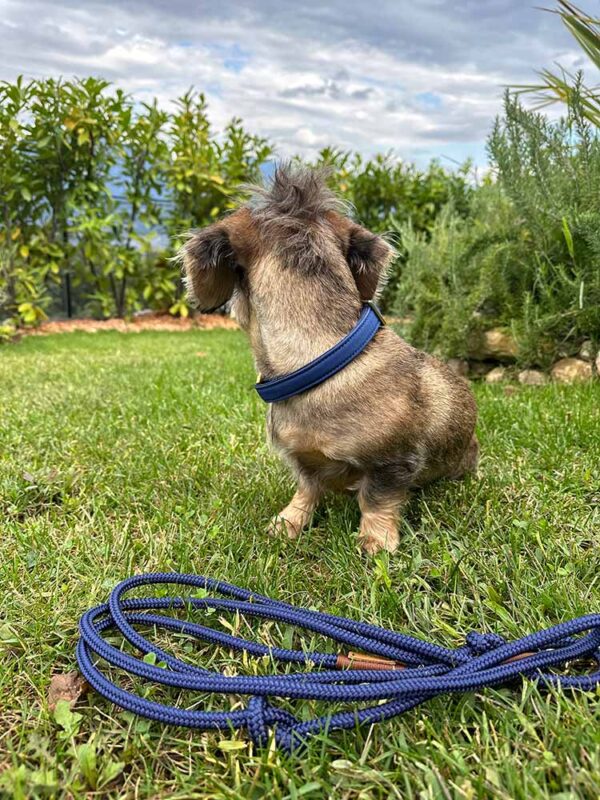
(143, 322)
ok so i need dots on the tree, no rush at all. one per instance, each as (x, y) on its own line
(71, 152)
(22, 280)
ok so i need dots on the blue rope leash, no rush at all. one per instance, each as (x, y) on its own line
(401, 670)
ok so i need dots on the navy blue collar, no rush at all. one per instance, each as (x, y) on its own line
(327, 364)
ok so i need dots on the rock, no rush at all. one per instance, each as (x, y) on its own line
(571, 370)
(479, 369)
(496, 344)
(533, 377)
(496, 375)
(586, 351)
(459, 366)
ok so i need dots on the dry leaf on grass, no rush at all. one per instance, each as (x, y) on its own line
(68, 686)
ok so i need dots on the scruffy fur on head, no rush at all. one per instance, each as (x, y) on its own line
(294, 195)
(297, 271)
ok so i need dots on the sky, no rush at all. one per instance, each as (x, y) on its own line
(423, 79)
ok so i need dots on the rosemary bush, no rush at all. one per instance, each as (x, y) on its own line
(527, 254)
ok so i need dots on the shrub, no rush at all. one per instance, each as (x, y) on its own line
(526, 255)
(92, 188)
(95, 193)
(23, 293)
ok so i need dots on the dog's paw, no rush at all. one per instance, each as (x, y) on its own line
(373, 543)
(281, 526)
(378, 532)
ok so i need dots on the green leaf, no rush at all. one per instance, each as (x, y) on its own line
(586, 36)
(86, 757)
(7, 635)
(150, 657)
(109, 772)
(568, 237)
(67, 719)
(231, 745)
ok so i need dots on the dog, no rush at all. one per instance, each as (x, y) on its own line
(297, 271)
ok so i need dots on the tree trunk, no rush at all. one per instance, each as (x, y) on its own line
(11, 286)
(121, 305)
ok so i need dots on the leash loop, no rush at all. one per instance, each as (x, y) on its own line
(480, 643)
(259, 720)
(262, 717)
(382, 676)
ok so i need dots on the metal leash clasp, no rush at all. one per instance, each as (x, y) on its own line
(354, 660)
(373, 306)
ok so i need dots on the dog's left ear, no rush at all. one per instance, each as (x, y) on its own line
(368, 257)
(209, 262)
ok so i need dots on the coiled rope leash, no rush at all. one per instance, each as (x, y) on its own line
(401, 670)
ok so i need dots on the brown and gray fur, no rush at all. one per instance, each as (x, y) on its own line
(297, 270)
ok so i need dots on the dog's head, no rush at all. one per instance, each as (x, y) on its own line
(291, 241)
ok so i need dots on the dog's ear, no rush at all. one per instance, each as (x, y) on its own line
(368, 257)
(210, 264)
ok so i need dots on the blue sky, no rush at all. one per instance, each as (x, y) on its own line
(423, 78)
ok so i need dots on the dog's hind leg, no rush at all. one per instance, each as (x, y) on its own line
(468, 462)
(298, 512)
(381, 496)
(379, 520)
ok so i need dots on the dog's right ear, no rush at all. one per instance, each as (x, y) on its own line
(210, 264)
(368, 257)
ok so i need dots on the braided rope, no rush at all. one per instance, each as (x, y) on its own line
(403, 671)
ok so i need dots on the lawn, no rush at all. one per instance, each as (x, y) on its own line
(123, 453)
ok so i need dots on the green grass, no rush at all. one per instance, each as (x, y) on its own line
(131, 453)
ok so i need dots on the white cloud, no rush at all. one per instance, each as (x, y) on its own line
(421, 79)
